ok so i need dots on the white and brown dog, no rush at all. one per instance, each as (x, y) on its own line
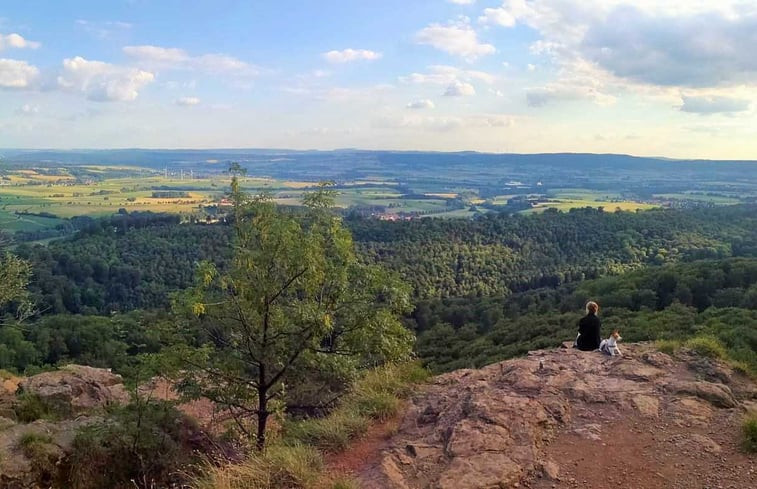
(610, 345)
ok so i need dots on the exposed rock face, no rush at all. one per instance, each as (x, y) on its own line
(488, 428)
(76, 388)
(72, 390)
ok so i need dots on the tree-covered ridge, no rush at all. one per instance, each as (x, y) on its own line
(138, 260)
(498, 254)
(123, 263)
(674, 302)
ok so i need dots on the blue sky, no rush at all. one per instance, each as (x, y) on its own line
(674, 78)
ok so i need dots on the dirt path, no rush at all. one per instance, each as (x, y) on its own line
(643, 454)
(364, 452)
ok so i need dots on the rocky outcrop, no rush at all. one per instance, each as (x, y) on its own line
(30, 453)
(489, 428)
(76, 388)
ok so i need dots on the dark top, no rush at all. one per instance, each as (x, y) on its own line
(589, 337)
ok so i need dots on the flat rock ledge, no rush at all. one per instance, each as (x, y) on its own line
(487, 428)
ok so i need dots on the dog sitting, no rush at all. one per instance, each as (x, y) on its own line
(610, 345)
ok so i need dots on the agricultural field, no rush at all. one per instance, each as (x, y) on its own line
(35, 197)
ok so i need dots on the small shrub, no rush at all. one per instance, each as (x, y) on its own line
(668, 346)
(42, 455)
(279, 467)
(377, 405)
(749, 433)
(145, 441)
(707, 346)
(742, 367)
(30, 407)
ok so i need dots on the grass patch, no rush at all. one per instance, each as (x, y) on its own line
(30, 407)
(343, 482)
(749, 433)
(707, 346)
(280, 467)
(332, 433)
(668, 346)
(376, 396)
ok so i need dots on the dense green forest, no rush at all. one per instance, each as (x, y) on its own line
(715, 298)
(136, 261)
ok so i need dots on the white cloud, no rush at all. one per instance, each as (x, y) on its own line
(102, 82)
(17, 74)
(349, 55)
(713, 104)
(157, 57)
(421, 104)
(497, 16)
(457, 38)
(17, 41)
(445, 75)
(156, 54)
(459, 89)
(187, 101)
(676, 43)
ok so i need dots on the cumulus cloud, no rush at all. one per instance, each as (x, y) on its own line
(17, 41)
(689, 43)
(703, 50)
(187, 101)
(102, 82)
(457, 38)
(421, 104)
(497, 16)
(157, 57)
(349, 55)
(713, 104)
(17, 74)
(459, 89)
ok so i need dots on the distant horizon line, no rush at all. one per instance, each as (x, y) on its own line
(337, 150)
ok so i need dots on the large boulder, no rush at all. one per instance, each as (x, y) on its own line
(76, 388)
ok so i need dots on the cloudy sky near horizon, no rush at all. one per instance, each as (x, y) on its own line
(671, 78)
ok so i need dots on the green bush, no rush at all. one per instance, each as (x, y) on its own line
(668, 346)
(707, 346)
(377, 405)
(30, 407)
(42, 455)
(143, 441)
(749, 433)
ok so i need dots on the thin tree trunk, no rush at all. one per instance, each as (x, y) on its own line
(262, 408)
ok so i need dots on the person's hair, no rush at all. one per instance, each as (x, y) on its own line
(592, 306)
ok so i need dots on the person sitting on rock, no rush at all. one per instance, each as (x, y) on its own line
(589, 336)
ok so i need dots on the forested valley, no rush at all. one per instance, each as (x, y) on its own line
(486, 289)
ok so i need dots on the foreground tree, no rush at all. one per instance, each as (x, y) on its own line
(15, 274)
(295, 309)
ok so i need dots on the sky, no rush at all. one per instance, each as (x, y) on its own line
(674, 78)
